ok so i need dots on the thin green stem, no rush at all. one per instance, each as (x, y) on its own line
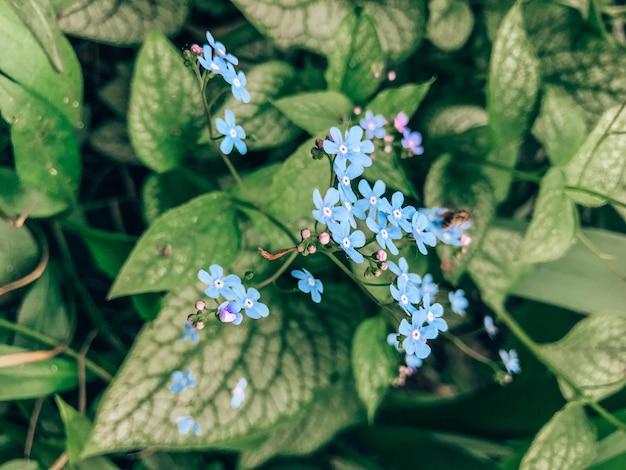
(470, 352)
(607, 416)
(280, 270)
(601, 256)
(92, 366)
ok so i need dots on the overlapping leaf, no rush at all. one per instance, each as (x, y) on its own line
(315, 112)
(450, 22)
(18, 251)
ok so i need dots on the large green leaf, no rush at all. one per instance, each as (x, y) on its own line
(560, 126)
(388, 167)
(35, 379)
(165, 112)
(454, 185)
(316, 112)
(18, 252)
(202, 232)
(260, 118)
(593, 264)
(406, 98)
(460, 128)
(374, 363)
(17, 199)
(122, 23)
(566, 442)
(25, 61)
(554, 223)
(591, 357)
(298, 351)
(44, 144)
(356, 65)
(450, 23)
(599, 164)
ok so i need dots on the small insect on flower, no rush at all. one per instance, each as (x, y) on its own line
(455, 218)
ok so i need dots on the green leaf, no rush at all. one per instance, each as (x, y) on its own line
(310, 25)
(400, 24)
(165, 114)
(20, 464)
(461, 128)
(292, 202)
(566, 442)
(17, 199)
(260, 118)
(165, 191)
(44, 145)
(591, 357)
(202, 232)
(495, 269)
(560, 126)
(373, 363)
(43, 310)
(39, 16)
(111, 140)
(18, 251)
(315, 112)
(591, 265)
(287, 359)
(391, 101)
(123, 23)
(25, 61)
(35, 379)
(356, 65)
(388, 167)
(452, 184)
(611, 446)
(599, 164)
(333, 410)
(554, 223)
(77, 429)
(450, 23)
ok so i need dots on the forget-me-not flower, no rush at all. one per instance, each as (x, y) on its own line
(419, 224)
(398, 215)
(428, 286)
(458, 302)
(186, 424)
(373, 125)
(218, 283)
(510, 360)
(385, 234)
(238, 82)
(372, 199)
(182, 381)
(239, 393)
(248, 301)
(490, 327)
(416, 335)
(233, 134)
(308, 284)
(326, 211)
(347, 241)
(402, 271)
(230, 312)
(190, 332)
(220, 50)
(412, 141)
(433, 314)
(345, 174)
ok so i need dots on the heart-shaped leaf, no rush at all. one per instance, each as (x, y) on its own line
(450, 22)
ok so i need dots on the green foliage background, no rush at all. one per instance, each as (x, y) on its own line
(106, 160)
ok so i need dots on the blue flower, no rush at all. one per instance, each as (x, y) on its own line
(385, 234)
(230, 312)
(347, 241)
(412, 141)
(186, 424)
(433, 314)
(233, 134)
(458, 302)
(412, 361)
(182, 381)
(392, 340)
(326, 210)
(218, 284)
(373, 125)
(419, 223)
(416, 335)
(239, 393)
(402, 271)
(511, 361)
(398, 215)
(308, 284)
(345, 175)
(428, 286)
(238, 82)
(215, 65)
(400, 121)
(407, 296)
(372, 199)
(220, 50)
(190, 332)
(491, 329)
(349, 147)
(248, 300)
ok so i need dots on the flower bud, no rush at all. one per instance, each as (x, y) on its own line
(319, 143)
(391, 76)
(200, 305)
(305, 233)
(384, 266)
(311, 249)
(190, 317)
(381, 255)
(324, 238)
(357, 110)
(300, 248)
(196, 49)
(199, 325)
(377, 272)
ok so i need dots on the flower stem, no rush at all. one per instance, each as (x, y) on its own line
(280, 270)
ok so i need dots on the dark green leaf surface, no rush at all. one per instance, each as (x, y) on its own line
(374, 363)
(356, 65)
(111, 140)
(450, 22)
(287, 358)
(560, 126)
(24, 61)
(566, 442)
(316, 112)
(554, 223)
(260, 118)
(165, 112)
(591, 356)
(16, 199)
(122, 23)
(202, 232)
(593, 266)
(386, 167)
(460, 128)
(18, 252)
(44, 145)
(599, 165)
(35, 379)
(391, 101)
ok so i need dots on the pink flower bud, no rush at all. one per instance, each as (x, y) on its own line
(199, 325)
(190, 318)
(377, 273)
(384, 266)
(387, 149)
(305, 233)
(319, 143)
(357, 110)
(391, 76)
(300, 248)
(200, 305)
(381, 255)
(324, 238)
(311, 249)
(196, 49)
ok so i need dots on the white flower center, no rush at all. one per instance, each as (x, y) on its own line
(236, 82)
(311, 281)
(430, 317)
(218, 283)
(371, 126)
(415, 334)
(348, 206)
(397, 214)
(346, 242)
(248, 303)
(373, 200)
(345, 181)
(327, 211)
(384, 234)
(233, 133)
(404, 299)
(343, 149)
